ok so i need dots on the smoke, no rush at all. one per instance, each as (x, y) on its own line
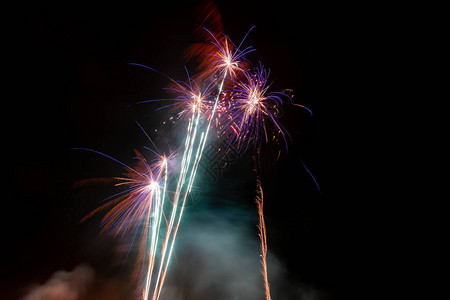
(64, 285)
(217, 261)
(80, 284)
(218, 257)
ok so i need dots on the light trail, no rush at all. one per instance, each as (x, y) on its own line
(262, 237)
(185, 165)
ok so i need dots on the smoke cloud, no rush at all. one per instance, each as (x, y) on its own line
(219, 258)
(216, 257)
(64, 285)
(80, 284)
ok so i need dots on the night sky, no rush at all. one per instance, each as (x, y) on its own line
(73, 88)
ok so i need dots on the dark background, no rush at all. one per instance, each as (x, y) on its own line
(71, 87)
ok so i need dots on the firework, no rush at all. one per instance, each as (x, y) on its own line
(139, 207)
(254, 109)
(193, 150)
(227, 99)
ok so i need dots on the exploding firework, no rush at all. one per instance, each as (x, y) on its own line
(139, 207)
(254, 109)
(226, 98)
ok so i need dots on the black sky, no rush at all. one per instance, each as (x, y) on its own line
(71, 88)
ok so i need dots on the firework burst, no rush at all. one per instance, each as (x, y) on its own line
(226, 96)
(254, 109)
(139, 207)
(227, 57)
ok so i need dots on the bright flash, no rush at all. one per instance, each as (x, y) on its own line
(254, 101)
(153, 185)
